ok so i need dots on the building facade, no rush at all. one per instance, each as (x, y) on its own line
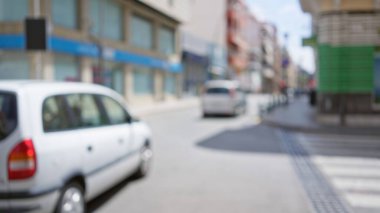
(204, 44)
(196, 61)
(251, 79)
(130, 46)
(270, 60)
(277, 67)
(346, 40)
(238, 16)
(250, 48)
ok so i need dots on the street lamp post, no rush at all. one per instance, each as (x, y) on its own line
(100, 35)
(342, 110)
(38, 53)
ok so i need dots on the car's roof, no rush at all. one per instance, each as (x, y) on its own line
(38, 85)
(222, 83)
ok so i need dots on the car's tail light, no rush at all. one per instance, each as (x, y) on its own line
(232, 93)
(203, 90)
(22, 161)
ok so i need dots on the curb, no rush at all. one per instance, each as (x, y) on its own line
(324, 129)
(164, 109)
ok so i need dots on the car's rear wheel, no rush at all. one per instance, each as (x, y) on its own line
(235, 112)
(244, 111)
(71, 199)
(146, 155)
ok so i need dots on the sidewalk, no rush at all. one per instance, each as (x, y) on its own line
(166, 106)
(299, 116)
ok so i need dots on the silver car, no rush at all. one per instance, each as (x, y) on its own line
(223, 97)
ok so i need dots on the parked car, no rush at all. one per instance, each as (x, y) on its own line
(223, 97)
(62, 144)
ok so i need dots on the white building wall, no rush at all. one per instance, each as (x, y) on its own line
(349, 29)
(207, 21)
(176, 9)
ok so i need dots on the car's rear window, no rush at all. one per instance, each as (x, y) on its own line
(216, 90)
(8, 114)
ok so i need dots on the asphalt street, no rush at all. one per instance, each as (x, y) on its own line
(207, 165)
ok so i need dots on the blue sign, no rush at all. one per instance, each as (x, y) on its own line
(12, 42)
(87, 49)
(73, 47)
(78, 48)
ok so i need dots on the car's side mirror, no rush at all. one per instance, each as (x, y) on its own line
(131, 119)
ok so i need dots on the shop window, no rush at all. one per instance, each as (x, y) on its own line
(65, 13)
(142, 80)
(112, 77)
(170, 83)
(14, 66)
(66, 68)
(141, 32)
(13, 10)
(117, 83)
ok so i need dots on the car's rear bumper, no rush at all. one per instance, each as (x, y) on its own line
(215, 108)
(29, 202)
(218, 111)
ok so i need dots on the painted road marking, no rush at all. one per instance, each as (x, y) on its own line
(357, 184)
(363, 200)
(350, 164)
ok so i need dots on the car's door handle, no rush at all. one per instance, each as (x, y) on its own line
(89, 148)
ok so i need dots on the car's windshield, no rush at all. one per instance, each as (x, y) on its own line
(8, 114)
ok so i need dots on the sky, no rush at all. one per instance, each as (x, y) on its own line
(289, 18)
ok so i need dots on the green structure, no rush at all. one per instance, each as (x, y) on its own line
(346, 69)
(347, 46)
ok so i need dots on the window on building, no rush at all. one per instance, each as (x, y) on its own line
(170, 83)
(65, 13)
(141, 32)
(95, 17)
(166, 41)
(14, 66)
(143, 80)
(13, 10)
(66, 68)
(106, 19)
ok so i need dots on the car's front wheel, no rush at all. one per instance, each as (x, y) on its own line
(71, 199)
(146, 155)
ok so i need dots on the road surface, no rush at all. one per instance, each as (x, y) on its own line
(220, 164)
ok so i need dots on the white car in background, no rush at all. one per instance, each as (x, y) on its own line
(223, 97)
(62, 144)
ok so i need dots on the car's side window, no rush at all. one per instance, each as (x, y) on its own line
(54, 115)
(75, 107)
(85, 110)
(115, 112)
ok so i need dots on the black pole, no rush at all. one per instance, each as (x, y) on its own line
(342, 110)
